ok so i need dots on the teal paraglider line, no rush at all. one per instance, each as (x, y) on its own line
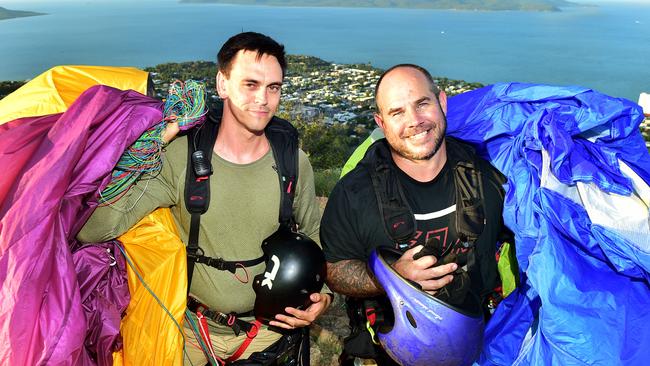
(185, 105)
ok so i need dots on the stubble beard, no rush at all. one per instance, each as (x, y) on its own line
(247, 120)
(439, 136)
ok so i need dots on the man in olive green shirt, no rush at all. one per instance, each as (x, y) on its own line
(244, 195)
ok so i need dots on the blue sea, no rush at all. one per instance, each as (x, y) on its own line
(606, 47)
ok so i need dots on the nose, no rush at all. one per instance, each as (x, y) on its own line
(260, 96)
(412, 117)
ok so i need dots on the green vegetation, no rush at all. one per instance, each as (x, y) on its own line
(7, 87)
(534, 5)
(325, 180)
(300, 64)
(8, 14)
(204, 71)
(327, 145)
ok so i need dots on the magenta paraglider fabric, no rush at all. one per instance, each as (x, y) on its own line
(101, 274)
(52, 168)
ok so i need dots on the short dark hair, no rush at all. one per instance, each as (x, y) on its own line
(434, 87)
(250, 41)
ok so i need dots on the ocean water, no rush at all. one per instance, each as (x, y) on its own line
(606, 48)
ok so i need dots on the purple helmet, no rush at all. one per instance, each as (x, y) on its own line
(426, 331)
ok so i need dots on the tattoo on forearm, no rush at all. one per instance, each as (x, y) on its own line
(352, 278)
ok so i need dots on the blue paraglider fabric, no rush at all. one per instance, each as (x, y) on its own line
(577, 199)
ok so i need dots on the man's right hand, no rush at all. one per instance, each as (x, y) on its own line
(423, 272)
(170, 132)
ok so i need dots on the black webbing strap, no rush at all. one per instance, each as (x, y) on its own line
(231, 320)
(399, 222)
(283, 138)
(197, 188)
(224, 265)
(192, 247)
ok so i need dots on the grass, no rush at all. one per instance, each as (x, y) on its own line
(325, 180)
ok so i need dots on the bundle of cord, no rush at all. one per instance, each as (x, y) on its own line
(185, 105)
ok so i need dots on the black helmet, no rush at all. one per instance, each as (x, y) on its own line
(295, 268)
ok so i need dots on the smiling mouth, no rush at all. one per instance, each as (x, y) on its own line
(419, 134)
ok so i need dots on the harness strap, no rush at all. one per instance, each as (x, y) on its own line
(220, 263)
(231, 320)
(205, 335)
(399, 222)
(192, 247)
(249, 338)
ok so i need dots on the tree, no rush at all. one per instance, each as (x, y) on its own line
(327, 145)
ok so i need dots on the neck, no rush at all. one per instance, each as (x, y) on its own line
(238, 145)
(422, 170)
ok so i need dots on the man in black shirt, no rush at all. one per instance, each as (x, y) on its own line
(421, 167)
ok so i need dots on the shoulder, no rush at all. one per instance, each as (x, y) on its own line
(493, 191)
(358, 179)
(493, 180)
(458, 150)
(303, 159)
(175, 153)
(304, 166)
(283, 126)
(177, 145)
(355, 188)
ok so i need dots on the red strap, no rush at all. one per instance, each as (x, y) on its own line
(249, 338)
(205, 334)
(371, 315)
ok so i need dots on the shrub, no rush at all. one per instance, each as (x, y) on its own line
(325, 180)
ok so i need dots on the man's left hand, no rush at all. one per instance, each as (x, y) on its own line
(302, 318)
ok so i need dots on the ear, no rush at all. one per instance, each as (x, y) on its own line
(379, 121)
(442, 99)
(221, 85)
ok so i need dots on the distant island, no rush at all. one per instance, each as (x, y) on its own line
(8, 14)
(527, 5)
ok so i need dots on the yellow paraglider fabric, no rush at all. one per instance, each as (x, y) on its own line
(150, 335)
(54, 90)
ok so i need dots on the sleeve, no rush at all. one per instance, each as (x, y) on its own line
(339, 232)
(146, 195)
(305, 206)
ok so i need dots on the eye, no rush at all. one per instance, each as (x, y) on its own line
(397, 113)
(250, 85)
(275, 88)
(423, 105)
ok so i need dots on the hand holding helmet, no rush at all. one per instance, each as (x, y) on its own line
(423, 271)
(459, 253)
(302, 318)
(295, 273)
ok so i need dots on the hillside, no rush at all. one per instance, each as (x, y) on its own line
(8, 14)
(528, 5)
